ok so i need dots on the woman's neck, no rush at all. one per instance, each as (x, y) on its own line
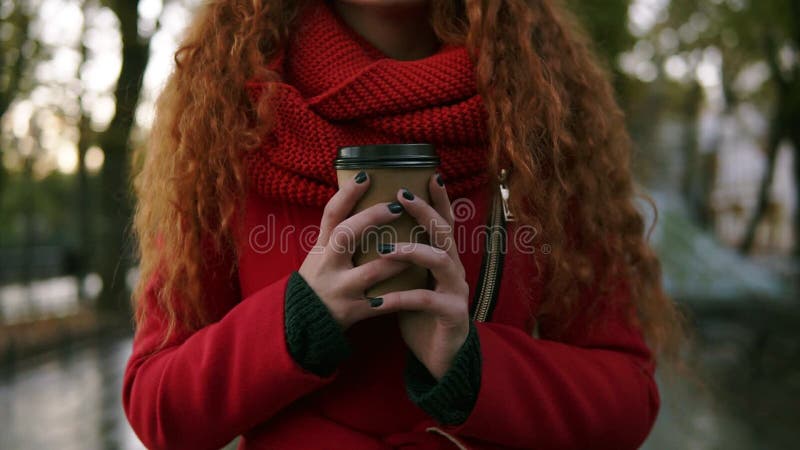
(400, 29)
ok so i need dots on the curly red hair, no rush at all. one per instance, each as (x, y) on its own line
(552, 117)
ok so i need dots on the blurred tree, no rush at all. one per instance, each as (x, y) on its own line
(13, 58)
(606, 22)
(747, 34)
(115, 203)
(86, 138)
(699, 167)
(30, 215)
(17, 51)
(647, 104)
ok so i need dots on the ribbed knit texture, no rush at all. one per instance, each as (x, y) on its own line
(314, 338)
(318, 344)
(336, 89)
(451, 399)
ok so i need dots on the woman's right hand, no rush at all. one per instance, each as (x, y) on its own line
(328, 267)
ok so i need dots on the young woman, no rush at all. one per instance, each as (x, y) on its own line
(252, 321)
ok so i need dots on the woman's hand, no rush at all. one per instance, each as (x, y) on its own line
(328, 267)
(434, 323)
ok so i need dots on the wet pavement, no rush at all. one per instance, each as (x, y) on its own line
(67, 400)
(71, 399)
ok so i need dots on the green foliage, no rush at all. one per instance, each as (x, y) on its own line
(606, 22)
(48, 205)
(745, 32)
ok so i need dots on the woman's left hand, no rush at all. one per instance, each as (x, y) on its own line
(433, 323)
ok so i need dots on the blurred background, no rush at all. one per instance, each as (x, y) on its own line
(712, 92)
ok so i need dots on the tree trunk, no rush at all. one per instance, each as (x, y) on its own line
(694, 185)
(794, 132)
(12, 70)
(115, 203)
(83, 193)
(773, 145)
(84, 209)
(781, 126)
(30, 238)
(795, 138)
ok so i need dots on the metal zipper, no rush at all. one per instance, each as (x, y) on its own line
(505, 194)
(492, 263)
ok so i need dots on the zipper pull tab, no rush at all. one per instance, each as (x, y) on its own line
(504, 195)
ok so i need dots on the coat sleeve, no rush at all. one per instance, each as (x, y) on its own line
(204, 388)
(594, 389)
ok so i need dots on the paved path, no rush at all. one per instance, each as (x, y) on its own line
(71, 401)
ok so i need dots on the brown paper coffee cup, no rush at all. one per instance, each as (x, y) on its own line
(390, 167)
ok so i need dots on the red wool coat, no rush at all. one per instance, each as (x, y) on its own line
(235, 377)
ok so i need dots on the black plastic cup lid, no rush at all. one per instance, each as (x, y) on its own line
(386, 155)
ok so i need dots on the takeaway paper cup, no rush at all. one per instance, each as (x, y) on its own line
(390, 168)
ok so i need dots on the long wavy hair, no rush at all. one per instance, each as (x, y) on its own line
(552, 115)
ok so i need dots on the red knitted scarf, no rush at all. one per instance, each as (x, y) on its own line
(337, 89)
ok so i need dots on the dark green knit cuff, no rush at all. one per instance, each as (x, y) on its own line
(450, 401)
(314, 338)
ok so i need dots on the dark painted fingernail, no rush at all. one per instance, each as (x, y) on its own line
(439, 179)
(361, 177)
(407, 194)
(385, 248)
(395, 207)
(375, 301)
